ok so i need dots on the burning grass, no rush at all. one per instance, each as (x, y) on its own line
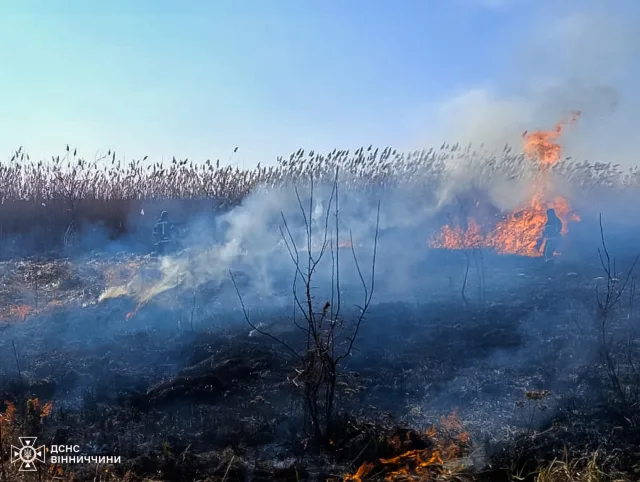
(520, 231)
(105, 338)
(14, 422)
(44, 205)
(435, 455)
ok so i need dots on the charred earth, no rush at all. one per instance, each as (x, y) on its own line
(487, 382)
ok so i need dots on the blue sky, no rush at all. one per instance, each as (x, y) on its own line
(195, 79)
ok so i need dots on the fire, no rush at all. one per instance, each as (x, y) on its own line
(459, 238)
(35, 407)
(447, 444)
(135, 311)
(362, 471)
(519, 232)
(544, 146)
(46, 410)
(9, 415)
(20, 311)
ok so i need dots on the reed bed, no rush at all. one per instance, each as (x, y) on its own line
(46, 200)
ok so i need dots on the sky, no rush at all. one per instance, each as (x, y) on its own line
(195, 79)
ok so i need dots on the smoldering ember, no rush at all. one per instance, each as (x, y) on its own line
(356, 316)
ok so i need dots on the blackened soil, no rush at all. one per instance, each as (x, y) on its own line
(194, 404)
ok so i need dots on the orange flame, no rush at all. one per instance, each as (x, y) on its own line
(20, 311)
(9, 415)
(447, 444)
(362, 471)
(46, 410)
(135, 311)
(519, 232)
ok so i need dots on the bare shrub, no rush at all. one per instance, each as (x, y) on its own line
(619, 341)
(329, 339)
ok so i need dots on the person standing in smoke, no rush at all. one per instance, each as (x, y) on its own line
(550, 235)
(163, 232)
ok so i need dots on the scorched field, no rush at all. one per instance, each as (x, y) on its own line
(350, 316)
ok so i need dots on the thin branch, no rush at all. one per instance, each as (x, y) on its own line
(262, 332)
(368, 295)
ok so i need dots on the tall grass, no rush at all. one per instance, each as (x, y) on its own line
(42, 200)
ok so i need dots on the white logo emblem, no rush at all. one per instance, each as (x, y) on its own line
(28, 454)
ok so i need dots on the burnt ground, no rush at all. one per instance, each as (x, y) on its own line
(211, 399)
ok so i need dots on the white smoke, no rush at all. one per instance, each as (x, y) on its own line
(579, 56)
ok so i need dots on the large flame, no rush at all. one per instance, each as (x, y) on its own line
(519, 231)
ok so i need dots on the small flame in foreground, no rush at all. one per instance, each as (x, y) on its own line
(440, 461)
(519, 232)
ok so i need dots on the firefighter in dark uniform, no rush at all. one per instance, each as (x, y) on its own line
(551, 234)
(163, 233)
